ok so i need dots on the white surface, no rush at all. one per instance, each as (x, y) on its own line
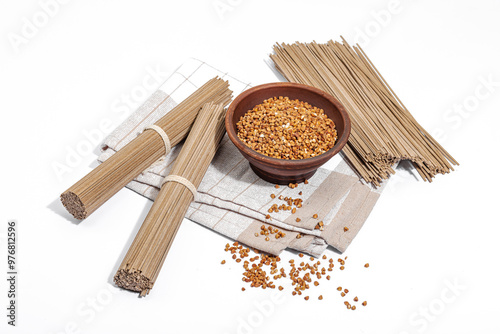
(71, 77)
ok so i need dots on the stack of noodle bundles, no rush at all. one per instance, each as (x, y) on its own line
(383, 130)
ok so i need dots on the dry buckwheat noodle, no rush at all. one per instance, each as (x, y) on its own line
(93, 190)
(145, 257)
(383, 130)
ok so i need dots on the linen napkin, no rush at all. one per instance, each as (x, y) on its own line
(233, 200)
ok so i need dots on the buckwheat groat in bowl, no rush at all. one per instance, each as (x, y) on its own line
(287, 131)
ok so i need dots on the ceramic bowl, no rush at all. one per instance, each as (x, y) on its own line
(283, 171)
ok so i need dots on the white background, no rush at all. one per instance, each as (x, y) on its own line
(72, 73)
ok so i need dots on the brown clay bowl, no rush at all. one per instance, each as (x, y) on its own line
(282, 171)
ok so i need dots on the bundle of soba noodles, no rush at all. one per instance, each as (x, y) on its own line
(141, 266)
(93, 190)
(383, 130)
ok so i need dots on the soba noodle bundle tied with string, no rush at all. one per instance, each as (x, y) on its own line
(141, 266)
(93, 190)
